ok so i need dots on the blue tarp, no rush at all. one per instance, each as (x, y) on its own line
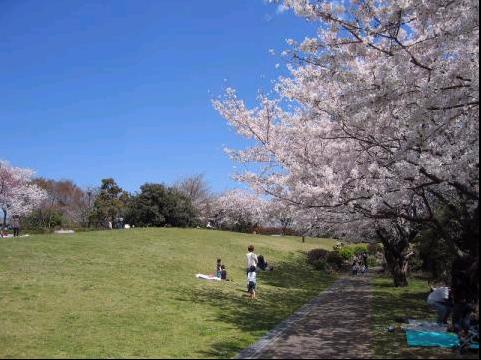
(432, 339)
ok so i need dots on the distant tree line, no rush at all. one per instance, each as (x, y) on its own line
(186, 203)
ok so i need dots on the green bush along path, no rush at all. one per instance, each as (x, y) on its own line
(134, 294)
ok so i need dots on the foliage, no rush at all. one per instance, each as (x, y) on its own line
(323, 259)
(198, 191)
(315, 255)
(372, 261)
(346, 252)
(109, 204)
(40, 219)
(18, 195)
(359, 248)
(66, 204)
(158, 205)
(352, 136)
(335, 260)
(239, 210)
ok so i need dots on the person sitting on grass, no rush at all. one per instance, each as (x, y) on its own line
(263, 265)
(223, 272)
(252, 282)
(218, 268)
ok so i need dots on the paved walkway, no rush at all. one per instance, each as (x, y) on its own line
(335, 325)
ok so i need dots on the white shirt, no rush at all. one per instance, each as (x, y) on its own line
(251, 276)
(439, 294)
(251, 259)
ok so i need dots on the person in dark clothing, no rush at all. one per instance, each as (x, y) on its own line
(364, 260)
(16, 226)
(263, 265)
(223, 273)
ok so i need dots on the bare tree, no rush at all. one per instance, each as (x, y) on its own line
(197, 189)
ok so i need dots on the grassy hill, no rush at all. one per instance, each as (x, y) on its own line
(133, 293)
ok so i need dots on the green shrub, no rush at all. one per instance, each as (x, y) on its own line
(320, 265)
(315, 255)
(335, 260)
(346, 253)
(372, 261)
(359, 249)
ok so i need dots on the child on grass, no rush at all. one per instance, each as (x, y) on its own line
(223, 273)
(252, 282)
(218, 268)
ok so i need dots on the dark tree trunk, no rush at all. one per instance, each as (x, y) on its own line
(397, 264)
(396, 253)
(4, 223)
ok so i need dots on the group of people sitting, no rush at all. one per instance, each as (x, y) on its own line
(359, 264)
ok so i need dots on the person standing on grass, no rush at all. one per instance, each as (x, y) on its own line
(251, 258)
(16, 226)
(252, 282)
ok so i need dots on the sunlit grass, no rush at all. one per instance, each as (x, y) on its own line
(134, 294)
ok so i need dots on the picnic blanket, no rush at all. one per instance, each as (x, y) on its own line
(423, 325)
(416, 338)
(207, 277)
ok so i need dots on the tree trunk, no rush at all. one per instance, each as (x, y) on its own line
(4, 224)
(397, 264)
(303, 238)
(395, 253)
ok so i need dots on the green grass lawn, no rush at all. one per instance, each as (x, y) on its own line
(390, 306)
(134, 294)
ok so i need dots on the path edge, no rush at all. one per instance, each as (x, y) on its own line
(252, 351)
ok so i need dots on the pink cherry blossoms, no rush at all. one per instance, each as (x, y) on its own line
(378, 122)
(18, 196)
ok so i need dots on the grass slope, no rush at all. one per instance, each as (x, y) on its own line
(134, 294)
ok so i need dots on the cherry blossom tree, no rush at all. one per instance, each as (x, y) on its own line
(18, 195)
(377, 123)
(239, 209)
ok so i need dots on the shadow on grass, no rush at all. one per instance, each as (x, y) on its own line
(280, 293)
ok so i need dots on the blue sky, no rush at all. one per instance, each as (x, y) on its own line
(123, 89)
